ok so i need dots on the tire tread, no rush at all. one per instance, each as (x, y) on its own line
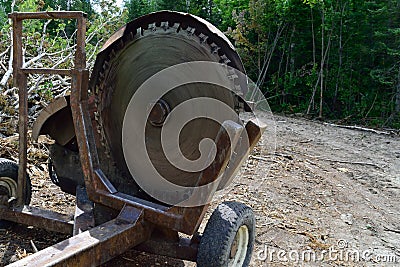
(220, 231)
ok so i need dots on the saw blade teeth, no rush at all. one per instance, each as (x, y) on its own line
(214, 48)
(106, 64)
(139, 31)
(190, 31)
(238, 90)
(232, 76)
(121, 44)
(225, 59)
(203, 38)
(152, 27)
(176, 26)
(164, 25)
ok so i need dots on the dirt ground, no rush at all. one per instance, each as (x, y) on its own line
(327, 196)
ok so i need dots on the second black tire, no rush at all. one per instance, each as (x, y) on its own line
(228, 238)
(9, 169)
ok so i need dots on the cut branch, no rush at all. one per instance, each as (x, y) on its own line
(8, 73)
(357, 128)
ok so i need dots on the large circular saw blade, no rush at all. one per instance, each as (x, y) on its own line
(134, 54)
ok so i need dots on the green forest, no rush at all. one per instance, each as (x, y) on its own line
(329, 59)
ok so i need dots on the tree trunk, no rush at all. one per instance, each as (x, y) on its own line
(335, 97)
(313, 37)
(292, 46)
(269, 55)
(321, 72)
(285, 76)
(322, 64)
(283, 100)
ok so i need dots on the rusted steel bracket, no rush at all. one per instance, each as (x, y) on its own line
(253, 133)
(84, 216)
(229, 132)
(226, 140)
(96, 246)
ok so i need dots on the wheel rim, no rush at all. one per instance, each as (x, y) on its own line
(10, 186)
(239, 247)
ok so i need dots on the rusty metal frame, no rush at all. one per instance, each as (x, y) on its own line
(21, 74)
(20, 213)
(138, 218)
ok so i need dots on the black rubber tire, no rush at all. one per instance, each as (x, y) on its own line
(9, 168)
(219, 234)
